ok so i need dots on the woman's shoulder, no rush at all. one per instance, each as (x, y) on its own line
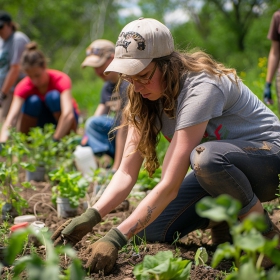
(195, 78)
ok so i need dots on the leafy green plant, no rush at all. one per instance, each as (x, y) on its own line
(4, 233)
(68, 184)
(38, 268)
(41, 146)
(48, 153)
(163, 266)
(249, 246)
(146, 182)
(14, 152)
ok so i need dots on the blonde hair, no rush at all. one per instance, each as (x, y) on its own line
(144, 114)
(33, 57)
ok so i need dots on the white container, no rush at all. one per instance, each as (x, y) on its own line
(64, 209)
(24, 218)
(85, 161)
(37, 226)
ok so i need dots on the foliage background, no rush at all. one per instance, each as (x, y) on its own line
(232, 31)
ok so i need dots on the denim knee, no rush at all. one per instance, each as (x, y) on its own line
(32, 106)
(202, 160)
(101, 123)
(52, 100)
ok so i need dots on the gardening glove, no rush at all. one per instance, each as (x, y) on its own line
(73, 230)
(267, 94)
(104, 252)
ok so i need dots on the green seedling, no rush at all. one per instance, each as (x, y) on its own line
(146, 182)
(48, 153)
(201, 256)
(4, 233)
(163, 266)
(14, 152)
(37, 268)
(69, 185)
(249, 246)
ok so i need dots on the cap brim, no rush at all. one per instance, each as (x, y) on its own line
(94, 61)
(127, 66)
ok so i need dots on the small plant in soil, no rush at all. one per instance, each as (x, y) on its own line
(146, 182)
(68, 184)
(4, 233)
(163, 266)
(41, 146)
(249, 246)
(47, 266)
(14, 153)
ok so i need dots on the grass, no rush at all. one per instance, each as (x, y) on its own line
(87, 94)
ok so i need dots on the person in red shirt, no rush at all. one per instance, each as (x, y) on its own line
(43, 96)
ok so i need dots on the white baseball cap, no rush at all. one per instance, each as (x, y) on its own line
(98, 52)
(139, 42)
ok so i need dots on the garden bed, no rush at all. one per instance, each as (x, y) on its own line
(40, 205)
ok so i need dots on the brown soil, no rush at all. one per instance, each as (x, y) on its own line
(41, 206)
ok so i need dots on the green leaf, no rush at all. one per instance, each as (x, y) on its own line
(17, 239)
(28, 166)
(250, 241)
(201, 256)
(225, 250)
(222, 208)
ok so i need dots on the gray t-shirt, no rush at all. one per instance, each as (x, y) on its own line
(10, 53)
(233, 112)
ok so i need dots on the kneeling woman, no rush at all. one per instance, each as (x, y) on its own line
(43, 96)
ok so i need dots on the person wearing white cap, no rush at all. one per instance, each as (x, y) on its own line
(100, 53)
(214, 123)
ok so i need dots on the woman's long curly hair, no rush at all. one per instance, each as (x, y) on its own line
(144, 114)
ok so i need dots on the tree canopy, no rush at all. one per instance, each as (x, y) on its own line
(224, 28)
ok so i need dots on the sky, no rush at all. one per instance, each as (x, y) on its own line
(178, 16)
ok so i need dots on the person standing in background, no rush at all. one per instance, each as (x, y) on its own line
(100, 53)
(12, 44)
(273, 60)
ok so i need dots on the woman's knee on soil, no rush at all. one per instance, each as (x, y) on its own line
(32, 106)
(52, 101)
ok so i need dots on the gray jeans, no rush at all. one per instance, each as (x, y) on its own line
(246, 170)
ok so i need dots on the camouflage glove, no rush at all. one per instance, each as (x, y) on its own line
(104, 252)
(73, 230)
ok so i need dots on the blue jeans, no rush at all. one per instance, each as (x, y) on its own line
(97, 132)
(245, 170)
(43, 110)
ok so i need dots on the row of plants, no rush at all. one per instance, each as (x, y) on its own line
(246, 251)
(37, 150)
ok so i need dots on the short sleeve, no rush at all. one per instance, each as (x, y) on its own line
(199, 103)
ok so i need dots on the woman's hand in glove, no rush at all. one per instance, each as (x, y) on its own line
(104, 252)
(73, 230)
